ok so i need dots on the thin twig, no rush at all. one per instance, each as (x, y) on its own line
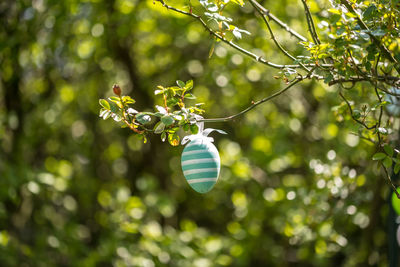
(390, 181)
(229, 118)
(310, 22)
(380, 100)
(278, 21)
(352, 115)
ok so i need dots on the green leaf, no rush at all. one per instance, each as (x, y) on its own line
(239, 2)
(180, 83)
(388, 150)
(116, 117)
(194, 129)
(104, 103)
(378, 156)
(163, 136)
(161, 109)
(158, 92)
(396, 168)
(159, 127)
(105, 114)
(173, 139)
(114, 107)
(356, 114)
(128, 100)
(387, 162)
(378, 32)
(185, 127)
(189, 85)
(369, 11)
(143, 118)
(189, 96)
(167, 120)
(172, 102)
(328, 78)
(114, 99)
(102, 111)
(334, 11)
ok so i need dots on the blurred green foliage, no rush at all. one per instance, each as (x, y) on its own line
(297, 187)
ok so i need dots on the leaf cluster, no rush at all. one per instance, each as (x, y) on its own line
(166, 120)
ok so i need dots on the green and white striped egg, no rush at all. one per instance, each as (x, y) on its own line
(201, 164)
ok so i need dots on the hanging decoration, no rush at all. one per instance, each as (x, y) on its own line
(200, 160)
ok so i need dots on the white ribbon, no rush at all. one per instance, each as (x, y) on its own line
(203, 133)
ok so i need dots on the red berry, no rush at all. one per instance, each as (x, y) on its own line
(117, 89)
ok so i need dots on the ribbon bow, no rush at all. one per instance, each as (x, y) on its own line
(203, 133)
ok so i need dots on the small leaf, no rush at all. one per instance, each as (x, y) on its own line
(194, 129)
(106, 115)
(356, 114)
(239, 2)
(396, 168)
(159, 127)
(163, 136)
(143, 118)
(116, 117)
(369, 11)
(173, 139)
(161, 109)
(189, 85)
(167, 120)
(172, 102)
(378, 156)
(158, 92)
(114, 107)
(189, 96)
(388, 150)
(114, 99)
(378, 32)
(387, 162)
(132, 111)
(128, 100)
(185, 127)
(102, 112)
(334, 11)
(180, 83)
(104, 103)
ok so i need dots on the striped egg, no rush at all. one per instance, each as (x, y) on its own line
(201, 164)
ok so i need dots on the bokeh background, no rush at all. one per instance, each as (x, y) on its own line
(297, 188)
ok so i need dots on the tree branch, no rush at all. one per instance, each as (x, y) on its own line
(297, 80)
(232, 44)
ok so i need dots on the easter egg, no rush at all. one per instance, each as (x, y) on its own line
(201, 164)
(396, 203)
(393, 108)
